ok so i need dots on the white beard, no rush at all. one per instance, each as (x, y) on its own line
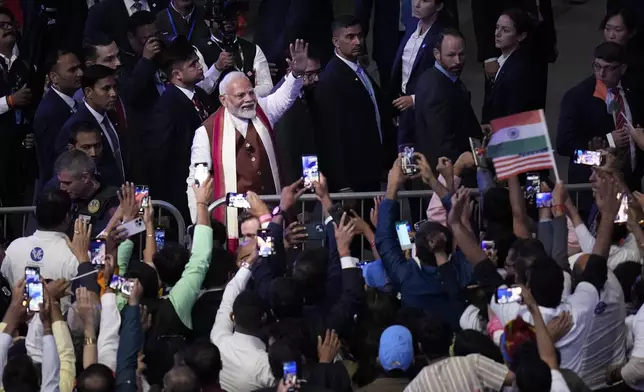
(246, 114)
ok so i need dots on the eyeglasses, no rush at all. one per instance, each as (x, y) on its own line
(6, 25)
(611, 67)
(312, 74)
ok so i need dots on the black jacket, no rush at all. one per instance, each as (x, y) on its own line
(171, 22)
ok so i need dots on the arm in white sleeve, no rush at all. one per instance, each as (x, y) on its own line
(276, 104)
(50, 365)
(4, 105)
(199, 153)
(223, 324)
(263, 79)
(5, 344)
(210, 78)
(108, 336)
(586, 240)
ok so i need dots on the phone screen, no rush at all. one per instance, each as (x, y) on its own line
(310, 170)
(544, 200)
(622, 214)
(532, 187)
(290, 372)
(403, 229)
(159, 237)
(589, 158)
(237, 200)
(201, 173)
(265, 244)
(488, 245)
(97, 251)
(142, 195)
(117, 282)
(478, 152)
(409, 166)
(126, 287)
(506, 295)
(34, 288)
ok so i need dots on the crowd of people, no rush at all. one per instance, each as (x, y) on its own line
(491, 292)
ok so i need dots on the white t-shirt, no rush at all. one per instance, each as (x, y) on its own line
(558, 383)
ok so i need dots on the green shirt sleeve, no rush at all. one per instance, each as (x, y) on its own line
(184, 294)
(124, 254)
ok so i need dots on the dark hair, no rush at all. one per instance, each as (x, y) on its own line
(170, 262)
(82, 127)
(343, 22)
(448, 32)
(181, 378)
(7, 11)
(52, 209)
(147, 276)
(627, 273)
(94, 73)
(285, 298)
(20, 374)
(381, 308)
(470, 341)
(204, 359)
(89, 52)
(611, 52)
(96, 378)
(280, 352)
(532, 373)
(140, 19)
(248, 310)
(523, 23)
(176, 53)
(546, 284)
(223, 266)
(310, 272)
(54, 56)
(219, 233)
(627, 17)
(428, 331)
(425, 231)
(497, 206)
(297, 333)
(527, 254)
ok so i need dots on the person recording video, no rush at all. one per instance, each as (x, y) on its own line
(228, 52)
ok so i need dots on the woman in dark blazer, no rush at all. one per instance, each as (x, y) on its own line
(620, 26)
(519, 84)
(414, 56)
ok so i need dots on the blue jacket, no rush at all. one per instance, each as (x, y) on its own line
(435, 289)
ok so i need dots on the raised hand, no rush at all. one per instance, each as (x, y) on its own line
(373, 214)
(294, 234)
(299, 57)
(257, 207)
(344, 235)
(290, 194)
(80, 244)
(129, 206)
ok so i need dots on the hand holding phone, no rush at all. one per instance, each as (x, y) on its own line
(310, 170)
(588, 158)
(507, 295)
(201, 173)
(409, 165)
(402, 230)
(237, 200)
(142, 195)
(34, 291)
(544, 200)
(132, 227)
(265, 244)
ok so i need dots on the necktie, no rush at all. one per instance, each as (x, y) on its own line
(114, 144)
(620, 122)
(200, 110)
(137, 5)
(367, 84)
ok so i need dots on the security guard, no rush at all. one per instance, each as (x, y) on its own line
(98, 208)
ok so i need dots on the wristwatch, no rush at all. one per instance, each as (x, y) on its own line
(244, 264)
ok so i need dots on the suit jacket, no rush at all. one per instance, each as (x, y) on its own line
(347, 139)
(110, 17)
(284, 21)
(51, 115)
(583, 117)
(181, 27)
(171, 128)
(444, 117)
(107, 167)
(516, 89)
(424, 60)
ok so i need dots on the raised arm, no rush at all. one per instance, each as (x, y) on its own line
(519, 212)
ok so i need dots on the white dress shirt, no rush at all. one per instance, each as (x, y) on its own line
(637, 355)
(628, 251)
(274, 106)
(4, 105)
(185, 17)
(263, 79)
(131, 9)
(410, 52)
(107, 343)
(244, 357)
(501, 60)
(99, 118)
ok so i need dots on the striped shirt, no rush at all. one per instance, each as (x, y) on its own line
(472, 373)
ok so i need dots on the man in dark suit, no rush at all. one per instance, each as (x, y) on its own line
(184, 17)
(99, 87)
(281, 22)
(109, 17)
(598, 108)
(352, 118)
(444, 115)
(174, 119)
(56, 107)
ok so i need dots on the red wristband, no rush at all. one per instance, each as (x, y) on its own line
(559, 208)
(265, 218)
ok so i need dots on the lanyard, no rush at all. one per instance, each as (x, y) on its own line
(174, 28)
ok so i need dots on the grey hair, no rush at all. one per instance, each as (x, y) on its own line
(76, 162)
(223, 85)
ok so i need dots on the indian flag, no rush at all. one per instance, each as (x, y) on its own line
(520, 143)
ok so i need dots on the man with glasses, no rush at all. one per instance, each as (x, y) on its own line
(600, 111)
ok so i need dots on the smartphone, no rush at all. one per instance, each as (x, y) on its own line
(544, 200)
(363, 263)
(126, 287)
(488, 245)
(310, 170)
(409, 166)
(142, 194)
(507, 295)
(478, 152)
(265, 244)
(290, 372)
(315, 231)
(159, 237)
(403, 229)
(133, 227)
(237, 200)
(34, 289)
(589, 158)
(622, 214)
(532, 187)
(97, 251)
(117, 282)
(201, 173)
(418, 224)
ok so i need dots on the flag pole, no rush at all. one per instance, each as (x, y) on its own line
(552, 154)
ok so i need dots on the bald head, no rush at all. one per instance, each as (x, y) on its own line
(180, 379)
(237, 95)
